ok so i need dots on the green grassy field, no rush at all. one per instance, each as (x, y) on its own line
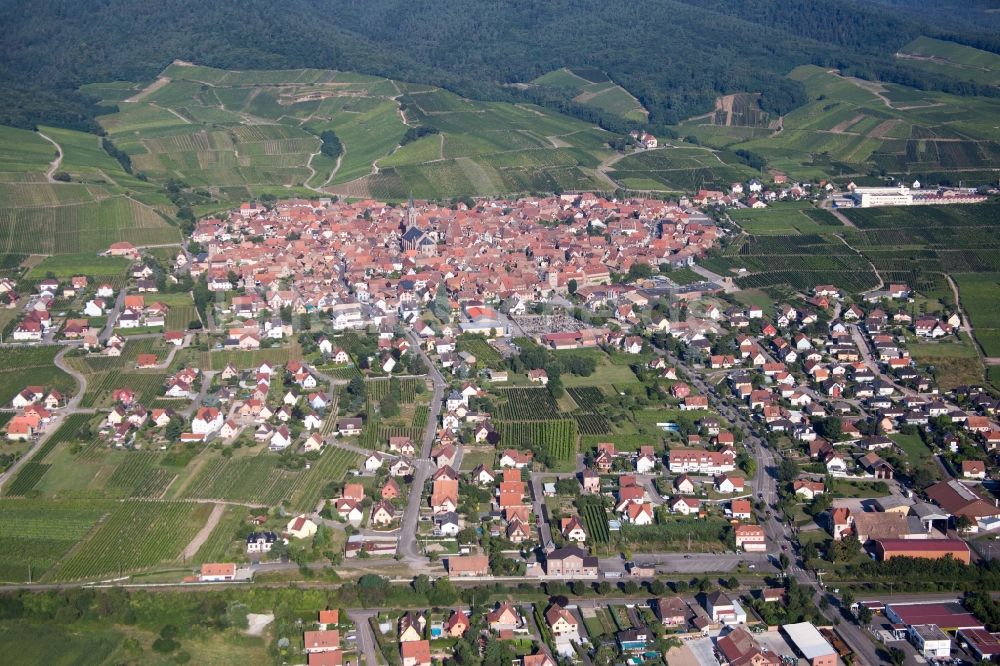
(955, 363)
(63, 646)
(605, 374)
(31, 366)
(97, 268)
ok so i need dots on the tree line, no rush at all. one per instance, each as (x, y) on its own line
(675, 56)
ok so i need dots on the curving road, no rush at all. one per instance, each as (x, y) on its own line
(72, 407)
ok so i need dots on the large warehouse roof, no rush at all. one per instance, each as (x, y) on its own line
(808, 640)
(948, 615)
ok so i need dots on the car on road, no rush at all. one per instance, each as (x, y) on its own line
(784, 547)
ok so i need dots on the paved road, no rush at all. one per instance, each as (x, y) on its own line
(407, 548)
(765, 482)
(72, 407)
(694, 563)
(541, 513)
(206, 382)
(726, 285)
(109, 328)
(655, 498)
(366, 641)
(533, 628)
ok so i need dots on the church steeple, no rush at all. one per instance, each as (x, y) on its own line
(411, 213)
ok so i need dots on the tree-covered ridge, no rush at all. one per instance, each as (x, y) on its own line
(674, 56)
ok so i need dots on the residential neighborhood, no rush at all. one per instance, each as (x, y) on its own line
(539, 392)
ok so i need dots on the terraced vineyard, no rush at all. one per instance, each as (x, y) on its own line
(420, 416)
(347, 372)
(82, 227)
(248, 132)
(140, 476)
(254, 480)
(333, 465)
(70, 426)
(801, 262)
(592, 424)
(588, 398)
(218, 360)
(856, 127)
(486, 356)
(526, 404)
(375, 434)
(126, 361)
(680, 169)
(137, 534)
(592, 87)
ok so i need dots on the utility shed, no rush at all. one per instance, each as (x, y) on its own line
(811, 644)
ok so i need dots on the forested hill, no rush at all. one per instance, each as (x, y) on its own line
(675, 56)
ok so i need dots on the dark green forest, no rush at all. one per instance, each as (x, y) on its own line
(676, 56)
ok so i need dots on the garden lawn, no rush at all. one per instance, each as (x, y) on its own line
(914, 447)
(605, 374)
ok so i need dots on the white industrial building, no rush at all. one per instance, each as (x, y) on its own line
(930, 641)
(901, 195)
(868, 197)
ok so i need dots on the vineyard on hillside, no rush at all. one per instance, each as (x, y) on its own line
(35, 535)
